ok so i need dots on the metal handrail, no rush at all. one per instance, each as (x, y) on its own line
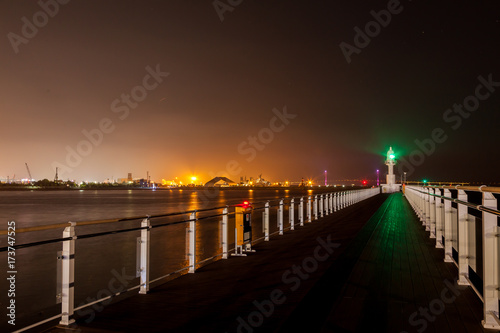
(481, 188)
(95, 222)
(465, 203)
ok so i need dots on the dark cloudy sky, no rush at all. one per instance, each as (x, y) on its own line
(226, 77)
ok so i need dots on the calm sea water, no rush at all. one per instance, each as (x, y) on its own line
(98, 260)
(32, 208)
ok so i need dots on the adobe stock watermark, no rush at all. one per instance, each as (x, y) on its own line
(420, 319)
(454, 117)
(30, 28)
(249, 148)
(121, 107)
(372, 29)
(293, 278)
(116, 285)
(222, 6)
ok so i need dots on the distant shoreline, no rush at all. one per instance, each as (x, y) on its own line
(199, 188)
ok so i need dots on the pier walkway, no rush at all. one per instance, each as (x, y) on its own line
(367, 268)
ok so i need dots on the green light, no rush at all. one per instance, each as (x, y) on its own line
(425, 180)
(392, 156)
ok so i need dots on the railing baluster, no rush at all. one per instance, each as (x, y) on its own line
(490, 264)
(463, 241)
(291, 214)
(301, 211)
(309, 217)
(331, 203)
(432, 213)
(448, 231)
(315, 207)
(225, 227)
(144, 256)
(325, 204)
(321, 205)
(422, 208)
(439, 220)
(68, 276)
(192, 243)
(280, 217)
(266, 222)
(427, 210)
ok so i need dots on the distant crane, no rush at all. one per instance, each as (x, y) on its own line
(56, 178)
(29, 172)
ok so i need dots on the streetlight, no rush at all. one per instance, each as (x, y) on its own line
(378, 181)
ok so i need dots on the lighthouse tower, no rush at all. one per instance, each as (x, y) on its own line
(390, 162)
(390, 185)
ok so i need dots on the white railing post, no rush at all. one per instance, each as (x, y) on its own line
(309, 217)
(225, 227)
(448, 232)
(490, 264)
(421, 206)
(463, 241)
(432, 213)
(280, 217)
(315, 206)
(68, 276)
(266, 222)
(321, 205)
(427, 209)
(439, 220)
(192, 243)
(335, 201)
(301, 211)
(144, 255)
(292, 214)
(331, 203)
(327, 206)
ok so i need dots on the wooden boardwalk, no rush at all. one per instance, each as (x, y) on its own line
(368, 268)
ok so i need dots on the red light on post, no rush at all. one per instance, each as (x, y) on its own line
(364, 182)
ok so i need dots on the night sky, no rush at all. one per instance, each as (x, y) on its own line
(286, 89)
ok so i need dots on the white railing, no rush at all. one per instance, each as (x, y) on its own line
(464, 220)
(318, 205)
